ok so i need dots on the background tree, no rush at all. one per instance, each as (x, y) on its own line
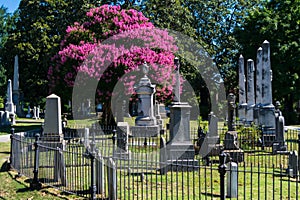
(7, 21)
(278, 22)
(40, 26)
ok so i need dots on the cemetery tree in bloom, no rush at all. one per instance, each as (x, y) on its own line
(111, 46)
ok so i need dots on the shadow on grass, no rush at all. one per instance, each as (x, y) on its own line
(207, 194)
(5, 167)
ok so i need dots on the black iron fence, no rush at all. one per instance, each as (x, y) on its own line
(89, 164)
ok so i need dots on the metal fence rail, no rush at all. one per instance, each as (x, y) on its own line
(87, 165)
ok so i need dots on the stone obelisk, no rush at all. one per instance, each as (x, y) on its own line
(16, 91)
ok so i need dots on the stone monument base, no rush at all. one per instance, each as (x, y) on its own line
(184, 165)
(145, 131)
(279, 148)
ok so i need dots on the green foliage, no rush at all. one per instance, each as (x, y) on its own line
(278, 22)
(248, 137)
(40, 26)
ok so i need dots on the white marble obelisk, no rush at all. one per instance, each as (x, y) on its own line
(267, 116)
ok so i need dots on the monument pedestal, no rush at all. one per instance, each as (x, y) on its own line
(180, 151)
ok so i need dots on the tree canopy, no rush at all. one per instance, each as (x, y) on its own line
(278, 22)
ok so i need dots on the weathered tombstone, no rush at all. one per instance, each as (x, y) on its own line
(231, 146)
(122, 140)
(279, 146)
(292, 169)
(250, 91)
(232, 180)
(163, 157)
(242, 92)
(145, 93)
(53, 123)
(231, 107)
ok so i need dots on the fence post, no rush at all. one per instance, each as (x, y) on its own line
(222, 171)
(112, 179)
(35, 184)
(93, 188)
(299, 152)
(11, 159)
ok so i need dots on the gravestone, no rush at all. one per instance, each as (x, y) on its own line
(53, 123)
(279, 146)
(292, 169)
(145, 93)
(231, 146)
(250, 91)
(122, 140)
(242, 92)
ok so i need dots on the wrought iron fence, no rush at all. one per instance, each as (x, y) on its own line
(87, 164)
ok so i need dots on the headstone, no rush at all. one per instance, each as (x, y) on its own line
(122, 140)
(279, 146)
(231, 107)
(231, 146)
(53, 122)
(292, 169)
(34, 112)
(267, 114)
(145, 92)
(38, 110)
(250, 91)
(232, 180)
(242, 91)
(9, 106)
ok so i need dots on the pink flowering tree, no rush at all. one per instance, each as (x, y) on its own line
(109, 47)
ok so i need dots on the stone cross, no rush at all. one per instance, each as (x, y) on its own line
(242, 91)
(250, 90)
